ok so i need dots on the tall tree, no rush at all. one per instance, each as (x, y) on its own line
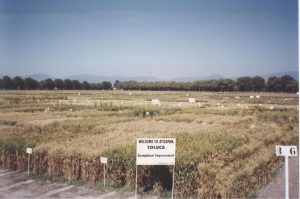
(68, 84)
(287, 83)
(258, 83)
(274, 84)
(107, 85)
(59, 84)
(245, 83)
(31, 84)
(76, 85)
(18, 83)
(47, 84)
(86, 85)
(7, 83)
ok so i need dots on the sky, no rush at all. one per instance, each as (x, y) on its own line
(161, 38)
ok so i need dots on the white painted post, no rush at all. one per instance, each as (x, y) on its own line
(286, 151)
(286, 160)
(135, 181)
(103, 161)
(173, 181)
(28, 162)
(104, 176)
(29, 151)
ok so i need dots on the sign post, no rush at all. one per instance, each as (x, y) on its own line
(286, 151)
(155, 151)
(29, 151)
(103, 160)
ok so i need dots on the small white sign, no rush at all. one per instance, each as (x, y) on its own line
(192, 100)
(103, 160)
(286, 150)
(29, 150)
(155, 102)
(155, 151)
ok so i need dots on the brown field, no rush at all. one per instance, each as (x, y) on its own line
(225, 146)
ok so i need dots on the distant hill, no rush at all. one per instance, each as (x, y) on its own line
(100, 78)
(38, 77)
(88, 78)
(190, 79)
(294, 74)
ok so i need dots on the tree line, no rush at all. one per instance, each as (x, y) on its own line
(284, 83)
(18, 83)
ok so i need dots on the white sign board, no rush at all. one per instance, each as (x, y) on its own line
(103, 160)
(29, 150)
(155, 102)
(192, 100)
(286, 150)
(155, 151)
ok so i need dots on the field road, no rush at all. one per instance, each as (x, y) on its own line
(15, 184)
(275, 189)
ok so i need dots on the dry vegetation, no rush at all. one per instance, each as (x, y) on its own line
(225, 145)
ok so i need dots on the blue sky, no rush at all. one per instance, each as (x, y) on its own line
(162, 38)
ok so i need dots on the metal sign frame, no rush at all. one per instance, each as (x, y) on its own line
(157, 163)
(286, 151)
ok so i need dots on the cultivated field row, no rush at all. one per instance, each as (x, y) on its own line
(225, 141)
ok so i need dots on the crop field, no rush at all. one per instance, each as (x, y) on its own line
(225, 141)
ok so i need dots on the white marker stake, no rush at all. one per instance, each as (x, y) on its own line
(286, 164)
(286, 151)
(135, 181)
(173, 181)
(104, 176)
(103, 160)
(29, 151)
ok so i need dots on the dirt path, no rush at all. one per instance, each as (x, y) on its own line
(15, 184)
(276, 188)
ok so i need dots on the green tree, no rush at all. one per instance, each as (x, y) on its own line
(47, 84)
(245, 83)
(18, 83)
(8, 83)
(86, 86)
(258, 83)
(274, 84)
(287, 83)
(107, 85)
(59, 84)
(30, 84)
(68, 84)
(76, 84)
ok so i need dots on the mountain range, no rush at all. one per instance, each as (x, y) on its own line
(100, 78)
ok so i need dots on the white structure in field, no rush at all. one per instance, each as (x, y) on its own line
(155, 102)
(251, 97)
(192, 100)
(257, 96)
(237, 97)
